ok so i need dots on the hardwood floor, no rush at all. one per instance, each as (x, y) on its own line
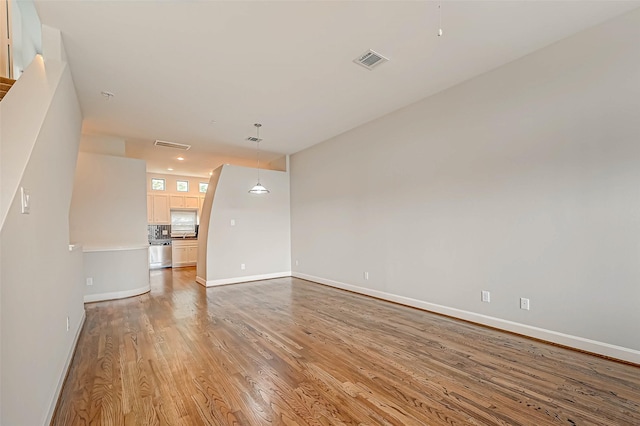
(288, 352)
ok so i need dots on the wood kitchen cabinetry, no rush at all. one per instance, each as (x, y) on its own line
(159, 206)
(184, 201)
(158, 209)
(184, 253)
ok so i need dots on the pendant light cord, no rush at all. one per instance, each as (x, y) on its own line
(258, 147)
(440, 18)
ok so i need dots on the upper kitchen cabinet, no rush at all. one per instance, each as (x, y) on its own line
(191, 202)
(184, 202)
(149, 208)
(159, 209)
(175, 192)
(177, 201)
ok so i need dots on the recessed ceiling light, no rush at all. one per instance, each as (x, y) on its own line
(107, 95)
(210, 173)
(180, 158)
(170, 169)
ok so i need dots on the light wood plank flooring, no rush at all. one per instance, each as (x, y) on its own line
(289, 352)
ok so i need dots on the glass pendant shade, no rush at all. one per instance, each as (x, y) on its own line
(258, 189)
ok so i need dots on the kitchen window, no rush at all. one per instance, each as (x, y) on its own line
(182, 185)
(157, 184)
(203, 186)
(183, 223)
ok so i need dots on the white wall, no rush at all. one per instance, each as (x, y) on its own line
(260, 238)
(109, 206)
(21, 121)
(108, 218)
(41, 279)
(523, 182)
(102, 144)
(116, 273)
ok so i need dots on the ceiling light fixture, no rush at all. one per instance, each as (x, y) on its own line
(170, 169)
(107, 95)
(180, 158)
(258, 188)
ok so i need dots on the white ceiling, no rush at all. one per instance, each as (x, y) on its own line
(174, 66)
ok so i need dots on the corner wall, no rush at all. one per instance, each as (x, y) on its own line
(259, 237)
(522, 182)
(203, 229)
(41, 279)
(108, 218)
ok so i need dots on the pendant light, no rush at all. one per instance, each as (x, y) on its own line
(440, 18)
(258, 188)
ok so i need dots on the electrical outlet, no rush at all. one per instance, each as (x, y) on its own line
(165, 232)
(242, 266)
(233, 222)
(366, 275)
(524, 303)
(297, 263)
(486, 296)
(90, 281)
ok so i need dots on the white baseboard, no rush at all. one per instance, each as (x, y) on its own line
(65, 370)
(225, 281)
(580, 343)
(116, 294)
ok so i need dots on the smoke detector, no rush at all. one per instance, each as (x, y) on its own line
(370, 59)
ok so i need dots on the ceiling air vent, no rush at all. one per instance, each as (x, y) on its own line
(370, 59)
(172, 145)
(254, 139)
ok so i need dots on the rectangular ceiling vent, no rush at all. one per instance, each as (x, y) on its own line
(370, 59)
(254, 139)
(172, 145)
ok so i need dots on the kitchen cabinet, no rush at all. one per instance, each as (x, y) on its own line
(184, 201)
(149, 208)
(192, 254)
(191, 202)
(184, 253)
(158, 209)
(176, 201)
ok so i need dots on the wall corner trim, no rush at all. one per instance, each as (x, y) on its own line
(575, 342)
(225, 281)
